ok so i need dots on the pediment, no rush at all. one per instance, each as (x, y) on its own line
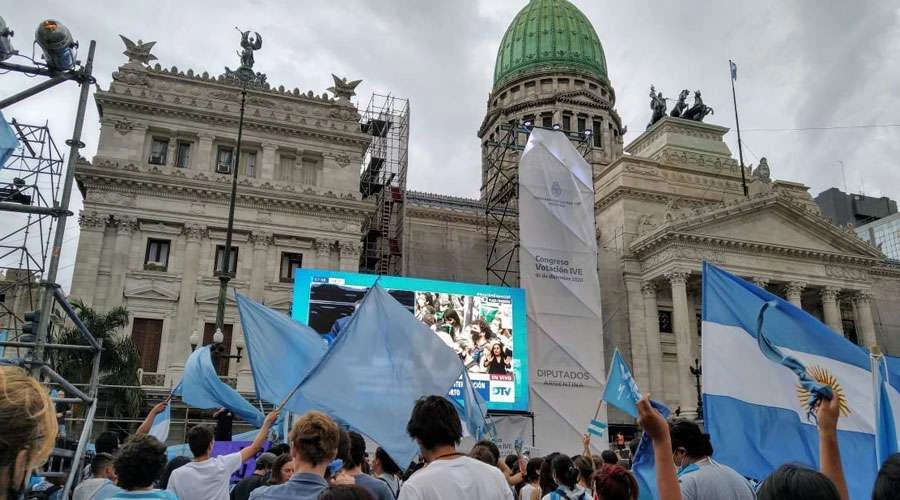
(770, 222)
(151, 292)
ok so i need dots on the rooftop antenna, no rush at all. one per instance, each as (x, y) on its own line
(844, 175)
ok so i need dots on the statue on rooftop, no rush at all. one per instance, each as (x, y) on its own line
(681, 104)
(698, 111)
(244, 75)
(249, 43)
(138, 52)
(343, 89)
(658, 105)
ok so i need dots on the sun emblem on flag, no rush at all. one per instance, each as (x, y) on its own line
(823, 376)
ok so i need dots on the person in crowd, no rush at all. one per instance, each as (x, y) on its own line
(314, 444)
(280, 449)
(385, 469)
(170, 468)
(242, 489)
(102, 484)
(609, 457)
(435, 426)
(353, 468)
(106, 442)
(63, 411)
(483, 454)
(702, 477)
(138, 464)
(496, 361)
(453, 323)
(531, 488)
(147, 424)
(28, 429)
(224, 422)
(207, 477)
(887, 484)
(613, 482)
(546, 480)
(282, 470)
(346, 492)
(585, 467)
(565, 475)
(482, 448)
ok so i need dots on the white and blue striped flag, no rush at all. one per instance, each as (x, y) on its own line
(597, 428)
(756, 408)
(160, 427)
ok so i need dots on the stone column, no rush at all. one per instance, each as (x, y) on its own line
(864, 323)
(185, 320)
(350, 255)
(90, 246)
(124, 227)
(203, 157)
(794, 292)
(261, 241)
(654, 348)
(830, 308)
(687, 393)
(323, 254)
(267, 169)
(171, 153)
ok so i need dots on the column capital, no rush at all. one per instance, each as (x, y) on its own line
(194, 232)
(205, 136)
(648, 288)
(350, 248)
(829, 293)
(124, 224)
(323, 248)
(677, 277)
(862, 297)
(269, 146)
(761, 282)
(262, 239)
(92, 220)
(795, 287)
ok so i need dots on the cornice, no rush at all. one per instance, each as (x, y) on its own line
(171, 183)
(642, 194)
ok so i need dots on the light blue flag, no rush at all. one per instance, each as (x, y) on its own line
(8, 141)
(643, 466)
(621, 390)
(282, 351)
(597, 428)
(733, 70)
(886, 412)
(378, 367)
(201, 387)
(755, 405)
(160, 427)
(473, 411)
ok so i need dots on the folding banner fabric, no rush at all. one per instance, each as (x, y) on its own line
(281, 350)
(558, 269)
(381, 363)
(754, 408)
(8, 140)
(201, 387)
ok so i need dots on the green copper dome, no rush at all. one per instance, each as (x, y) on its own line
(549, 34)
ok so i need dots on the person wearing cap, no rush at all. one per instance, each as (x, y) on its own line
(242, 489)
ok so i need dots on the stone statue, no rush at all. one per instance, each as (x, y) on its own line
(658, 105)
(343, 89)
(249, 43)
(681, 104)
(698, 111)
(138, 52)
(762, 172)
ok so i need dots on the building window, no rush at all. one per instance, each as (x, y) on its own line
(567, 123)
(147, 335)
(224, 158)
(665, 322)
(221, 364)
(157, 256)
(848, 322)
(290, 262)
(598, 133)
(286, 168)
(159, 148)
(310, 171)
(248, 163)
(183, 155)
(528, 118)
(582, 124)
(232, 260)
(547, 121)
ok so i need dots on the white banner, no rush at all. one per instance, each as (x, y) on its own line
(510, 428)
(558, 266)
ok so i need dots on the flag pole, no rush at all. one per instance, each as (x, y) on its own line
(731, 70)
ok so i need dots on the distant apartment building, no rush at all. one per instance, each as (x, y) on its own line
(856, 209)
(883, 233)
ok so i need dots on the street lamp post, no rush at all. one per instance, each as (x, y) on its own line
(696, 371)
(249, 42)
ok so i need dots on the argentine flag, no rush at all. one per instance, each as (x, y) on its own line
(160, 427)
(753, 408)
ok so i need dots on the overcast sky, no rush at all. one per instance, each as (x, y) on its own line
(801, 64)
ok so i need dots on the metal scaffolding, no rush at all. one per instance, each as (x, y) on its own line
(383, 177)
(500, 195)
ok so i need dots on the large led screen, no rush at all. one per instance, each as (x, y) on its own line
(484, 325)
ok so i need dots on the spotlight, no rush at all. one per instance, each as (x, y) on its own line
(588, 133)
(56, 42)
(556, 126)
(528, 124)
(6, 49)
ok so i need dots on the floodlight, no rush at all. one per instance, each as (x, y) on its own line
(556, 126)
(588, 133)
(528, 124)
(56, 42)
(6, 49)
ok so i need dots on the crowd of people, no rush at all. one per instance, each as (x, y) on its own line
(323, 461)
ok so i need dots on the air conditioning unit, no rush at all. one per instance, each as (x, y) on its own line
(223, 167)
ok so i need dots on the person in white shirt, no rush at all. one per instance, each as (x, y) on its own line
(449, 475)
(207, 478)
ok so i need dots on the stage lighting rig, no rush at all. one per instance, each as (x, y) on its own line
(56, 41)
(6, 48)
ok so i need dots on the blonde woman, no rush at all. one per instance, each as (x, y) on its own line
(27, 432)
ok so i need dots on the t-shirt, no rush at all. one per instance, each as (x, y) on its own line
(301, 486)
(526, 491)
(454, 479)
(151, 494)
(376, 487)
(206, 480)
(98, 488)
(711, 480)
(241, 491)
